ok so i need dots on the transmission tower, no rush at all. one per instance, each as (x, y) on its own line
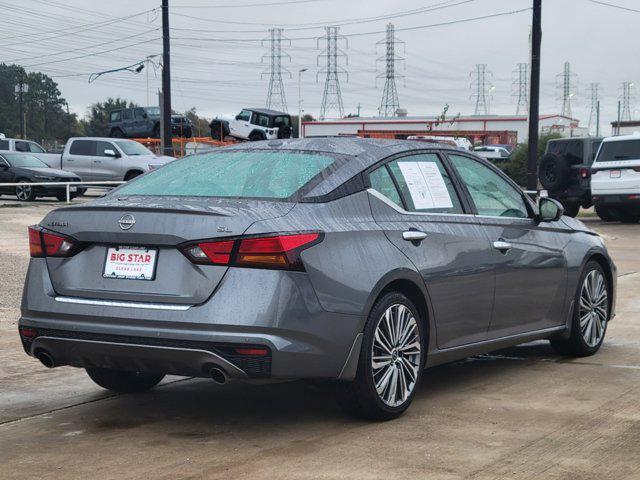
(520, 87)
(481, 92)
(275, 96)
(626, 95)
(332, 96)
(594, 95)
(566, 84)
(389, 104)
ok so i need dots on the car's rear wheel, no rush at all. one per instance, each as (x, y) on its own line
(124, 382)
(607, 214)
(256, 136)
(62, 197)
(391, 360)
(25, 193)
(627, 216)
(116, 133)
(590, 314)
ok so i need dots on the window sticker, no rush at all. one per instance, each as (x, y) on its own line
(426, 185)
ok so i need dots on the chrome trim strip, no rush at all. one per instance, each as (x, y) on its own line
(125, 304)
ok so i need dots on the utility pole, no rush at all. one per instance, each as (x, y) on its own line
(479, 87)
(598, 119)
(534, 96)
(520, 83)
(300, 72)
(359, 106)
(275, 95)
(68, 121)
(595, 101)
(167, 143)
(21, 89)
(332, 96)
(618, 123)
(389, 104)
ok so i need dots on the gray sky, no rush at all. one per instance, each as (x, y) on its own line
(222, 76)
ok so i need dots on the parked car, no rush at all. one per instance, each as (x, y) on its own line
(27, 168)
(97, 159)
(253, 124)
(352, 259)
(28, 146)
(493, 153)
(142, 122)
(565, 171)
(615, 179)
(460, 142)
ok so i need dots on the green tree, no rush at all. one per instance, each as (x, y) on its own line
(96, 123)
(516, 167)
(200, 124)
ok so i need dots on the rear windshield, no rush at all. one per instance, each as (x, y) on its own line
(250, 174)
(621, 150)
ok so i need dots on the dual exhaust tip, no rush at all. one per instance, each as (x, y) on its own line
(217, 374)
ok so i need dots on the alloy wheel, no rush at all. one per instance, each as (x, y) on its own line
(396, 355)
(594, 308)
(23, 192)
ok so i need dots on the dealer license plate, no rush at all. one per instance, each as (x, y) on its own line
(137, 263)
(614, 173)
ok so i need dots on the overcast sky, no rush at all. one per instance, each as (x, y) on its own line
(216, 53)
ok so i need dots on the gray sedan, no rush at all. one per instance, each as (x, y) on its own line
(361, 261)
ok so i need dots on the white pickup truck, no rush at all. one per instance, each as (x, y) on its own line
(95, 159)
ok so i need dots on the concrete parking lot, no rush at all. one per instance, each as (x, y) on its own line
(522, 413)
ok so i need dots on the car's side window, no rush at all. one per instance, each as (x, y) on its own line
(22, 146)
(382, 182)
(244, 116)
(126, 114)
(115, 116)
(138, 113)
(425, 185)
(102, 146)
(35, 148)
(83, 147)
(4, 144)
(492, 195)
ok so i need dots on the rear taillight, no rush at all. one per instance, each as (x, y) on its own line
(48, 244)
(29, 333)
(280, 252)
(585, 173)
(636, 169)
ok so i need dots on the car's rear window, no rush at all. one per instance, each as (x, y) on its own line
(620, 150)
(249, 174)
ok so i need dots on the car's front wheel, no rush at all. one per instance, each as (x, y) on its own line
(124, 382)
(25, 193)
(590, 315)
(391, 360)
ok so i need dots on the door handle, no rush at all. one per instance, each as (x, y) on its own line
(501, 245)
(97, 161)
(414, 235)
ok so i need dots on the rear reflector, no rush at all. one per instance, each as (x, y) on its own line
(48, 244)
(253, 351)
(28, 332)
(274, 251)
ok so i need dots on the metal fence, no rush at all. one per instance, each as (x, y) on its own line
(67, 185)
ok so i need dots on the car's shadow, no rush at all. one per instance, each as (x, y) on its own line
(194, 408)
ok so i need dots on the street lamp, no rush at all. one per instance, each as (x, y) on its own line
(300, 72)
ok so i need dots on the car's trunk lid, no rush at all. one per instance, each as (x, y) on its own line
(160, 224)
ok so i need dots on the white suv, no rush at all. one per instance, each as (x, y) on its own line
(615, 179)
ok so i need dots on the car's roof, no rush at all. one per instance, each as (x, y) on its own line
(570, 139)
(359, 153)
(103, 139)
(265, 111)
(622, 138)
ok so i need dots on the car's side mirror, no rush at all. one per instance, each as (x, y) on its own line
(550, 210)
(145, 115)
(111, 153)
(4, 166)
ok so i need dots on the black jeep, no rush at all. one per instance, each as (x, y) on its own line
(565, 171)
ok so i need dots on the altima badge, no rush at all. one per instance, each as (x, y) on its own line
(126, 221)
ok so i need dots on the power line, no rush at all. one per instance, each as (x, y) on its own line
(389, 104)
(598, 2)
(275, 95)
(332, 96)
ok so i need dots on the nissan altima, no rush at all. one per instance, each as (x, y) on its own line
(357, 260)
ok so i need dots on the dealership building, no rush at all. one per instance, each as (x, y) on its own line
(480, 129)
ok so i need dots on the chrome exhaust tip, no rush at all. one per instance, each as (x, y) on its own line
(218, 375)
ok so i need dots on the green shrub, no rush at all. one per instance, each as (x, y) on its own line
(516, 167)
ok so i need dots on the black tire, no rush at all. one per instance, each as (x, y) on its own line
(284, 131)
(553, 172)
(116, 133)
(131, 175)
(575, 344)
(155, 133)
(627, 216)
(256, 136)
(188, 133)
(360, 396)
(25, 193)
(571, 209)
(62, 197)
(607, 214)
(124, 382)
(219, 129)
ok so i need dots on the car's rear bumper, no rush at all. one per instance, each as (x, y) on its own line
(284, 317)
(617, 200)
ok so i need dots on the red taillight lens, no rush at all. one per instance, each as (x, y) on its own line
(277, 251)
(251, 351)
(585, 172)
(47, 244)
(28, 332)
